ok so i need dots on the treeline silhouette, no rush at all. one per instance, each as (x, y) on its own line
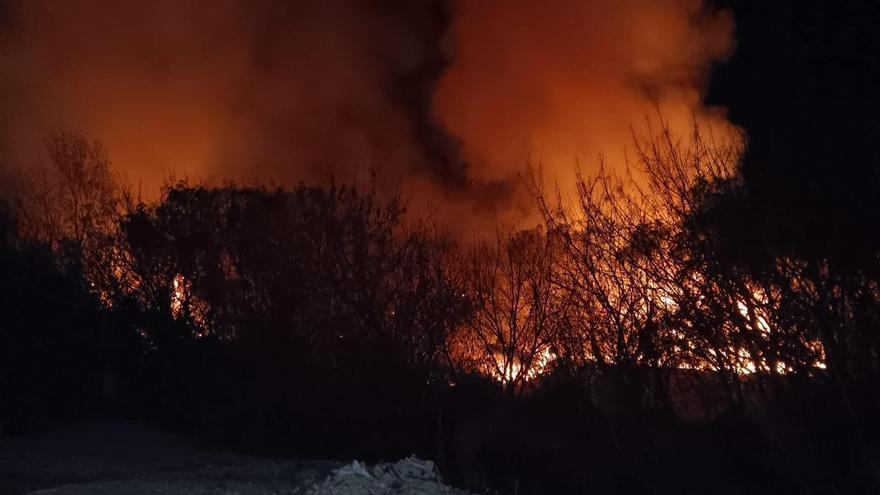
(641, 341)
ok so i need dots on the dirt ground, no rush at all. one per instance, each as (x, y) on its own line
(132, 459)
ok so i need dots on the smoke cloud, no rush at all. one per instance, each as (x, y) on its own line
(552, 82)
(448, 99)
(226, 88)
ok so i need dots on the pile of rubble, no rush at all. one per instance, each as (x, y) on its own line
(410, 476)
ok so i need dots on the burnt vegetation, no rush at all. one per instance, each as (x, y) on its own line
(641, 341)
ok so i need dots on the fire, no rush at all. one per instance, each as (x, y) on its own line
(185, 304)
(179, 289)
(510, 371)
(753, 311)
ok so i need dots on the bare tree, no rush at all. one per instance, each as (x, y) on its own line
(72, 200)
(70, 195)
(519, 311)
(654, 285)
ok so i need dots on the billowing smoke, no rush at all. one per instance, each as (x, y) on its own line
(268, 90)
(548, 83)
(449, 99)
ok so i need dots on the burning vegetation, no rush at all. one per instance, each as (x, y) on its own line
(627, 288)
(526, 288)
(622, 275)
(619, 276)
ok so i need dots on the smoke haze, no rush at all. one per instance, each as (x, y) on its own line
(553, 81)
(449, 100)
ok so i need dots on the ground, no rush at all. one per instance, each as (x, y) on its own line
(133, 459)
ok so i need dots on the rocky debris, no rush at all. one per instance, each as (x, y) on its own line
(410, 476)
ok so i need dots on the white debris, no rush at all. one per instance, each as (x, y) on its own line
(411, 476)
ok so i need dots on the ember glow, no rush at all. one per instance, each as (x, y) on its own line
(508, 371)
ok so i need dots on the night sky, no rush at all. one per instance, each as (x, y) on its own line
(803, 82)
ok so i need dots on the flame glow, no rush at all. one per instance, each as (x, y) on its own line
(510, 371)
